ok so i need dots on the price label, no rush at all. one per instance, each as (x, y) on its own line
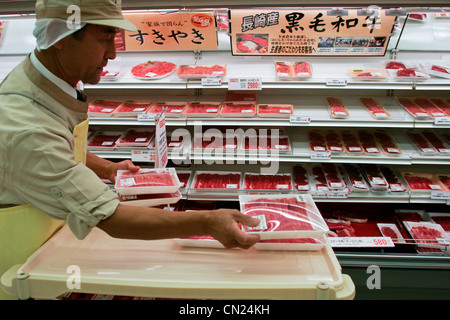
(336, 82)
(366, 242)
(143, 156)
(211, 81)
(442, 121)
(337, 194)
(245, 84)
(296, 118)
(320, 155)
(440, 195)
(146, 117)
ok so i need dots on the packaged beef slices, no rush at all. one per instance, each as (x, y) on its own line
(283, 216)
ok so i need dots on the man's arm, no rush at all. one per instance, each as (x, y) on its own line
(106, 169)
(144, 223)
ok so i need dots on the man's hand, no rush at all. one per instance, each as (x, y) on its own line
(223, 225)
(123, 165)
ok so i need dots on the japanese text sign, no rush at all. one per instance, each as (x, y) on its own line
(174, 31)
(300, 31)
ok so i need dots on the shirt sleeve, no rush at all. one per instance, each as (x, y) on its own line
(45, 175)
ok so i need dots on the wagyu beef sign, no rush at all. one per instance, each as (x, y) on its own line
(300, 31)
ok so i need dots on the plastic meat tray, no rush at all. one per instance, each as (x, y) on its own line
(201, 71)
(197, 109)
(152, 70)
(173, 109)
(102, 108)
(283, 216)
(275, 110)
(132, 108)
(150, 200)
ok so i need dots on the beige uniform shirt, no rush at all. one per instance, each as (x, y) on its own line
(37, 164)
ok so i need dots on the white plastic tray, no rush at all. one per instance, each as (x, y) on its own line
(164, 269)
(127, 185)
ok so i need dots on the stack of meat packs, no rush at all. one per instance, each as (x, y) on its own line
(148, 187)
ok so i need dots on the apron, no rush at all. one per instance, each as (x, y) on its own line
(24, 228)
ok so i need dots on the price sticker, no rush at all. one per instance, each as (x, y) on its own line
(146, 117)
(440, 195)
(442, 121)
(366, 242)
(337, 195)
(336, 82)
(320, 155)
(302, 119)
(143, 155)
(245, 84)
(211, 81)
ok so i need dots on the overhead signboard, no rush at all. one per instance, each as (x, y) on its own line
(314, 32)
(169, 31)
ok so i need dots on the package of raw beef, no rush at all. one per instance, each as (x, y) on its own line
(337, 108)
(441, 104)
(266, 142)
(317, 142)
(351, 142)
(238, 109)
(368, 74)
(412, 215)
(319, 181)
(109, 75)
(283, 70)
(421, 143)
(394, 179)
(300, 177)
(445, 180)
(375, 177)
(132, 108)
(391, 230)
(184, 177)
(104, 140)
(368, 142)
(216, 181)
(442, 218)
(438, 70)
(333, 141)
(102, 108)
(283, 216)
(197, 109)
(152, 70)
(145, 181)
(236, 95)
(139, 137)
(423, 181)
(263, 182)
(275, 110)
(412, 108)
(355, 179)
(428, 235)
(335, 181)
(375, 108)
(386, 142)
(201, 71)
(413, 74)
(173, 109)
(428, 106)
(150, 200)
(302, 70)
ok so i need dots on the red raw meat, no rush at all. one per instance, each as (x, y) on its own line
(184, 178)
(445, 180)
(157, 108)
(340, 228)
(422, 233)
(104, 106)
(351, 142)
(429, 107)
(282, 214)
(368, 142)
(317, 141)
(283, 68)
(352, 217)
(145, 179)
(419, 183)
(419, 140)
(410, 216)
(276, 109)
(411, 106)
(132, 136)
(238, 107)
(202, 108)
(444, 221)
(155, 68)
(389, 232)
(386, 142)
(441, 105)
(217, 181)
(439, 69)
(104, 140)
(302, 67)
(373, 106)
(202, 70)
(395, 65)
(406, 73)
(337, 107)
(268, 182)
(434, 140)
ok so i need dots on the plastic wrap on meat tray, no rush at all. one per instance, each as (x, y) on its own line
(406, 71)
(152, 70)
(283, 216)
(145, 181)
(413, 109)
(333, 176)
(375, 177)
(139, 137)
(300, 178)
(419, 182)
(394, 179)
(337, 108)
(368, 74)
(201, 71)
(333, 141)
(102, 108)
(386, 142)
(317, 142)
(441, 104)
(199, 109)
(421, 143)
(151, 199)
(428, 235)
(391, 230)
(368, 142)
(438, 70)
(217, 181)
(173, 109)
(132, 108)
(375, 108)
(238, 109)
(236, 95)
(445, 180)
(184, 177)
(298, 70)
(437, 142)
(273, 182)
(266, 142)
(355, 178)
(441, 218)
(428, 106)
(275, 110)
(351, 142)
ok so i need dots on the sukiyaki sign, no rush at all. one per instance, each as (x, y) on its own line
(310, 32)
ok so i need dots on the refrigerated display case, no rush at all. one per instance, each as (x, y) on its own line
(367, 132)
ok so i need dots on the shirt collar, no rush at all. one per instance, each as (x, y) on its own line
(63, 85)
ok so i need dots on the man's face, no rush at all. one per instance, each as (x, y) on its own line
(84, 58)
